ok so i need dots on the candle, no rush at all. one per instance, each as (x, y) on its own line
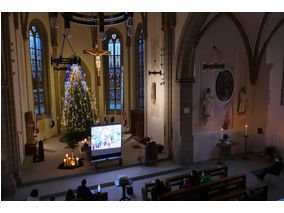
(222, 133)
(66, 157)
(246, 130)
(77, 161)
(64, 162)
(69, 159)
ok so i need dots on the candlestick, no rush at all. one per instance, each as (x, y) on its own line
(222, 133)
(77, 161)
(246, 130)
(64, 162)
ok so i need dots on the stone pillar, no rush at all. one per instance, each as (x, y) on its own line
(186, 137)
(168, 27)
(10, 156)
(54, 44)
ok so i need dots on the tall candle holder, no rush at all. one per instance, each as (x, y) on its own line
(245, 155)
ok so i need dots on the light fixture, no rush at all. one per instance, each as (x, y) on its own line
(214, 62)
(100, 20)
(64, 63)
(155, 72)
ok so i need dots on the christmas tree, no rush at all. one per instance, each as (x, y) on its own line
(79, 110)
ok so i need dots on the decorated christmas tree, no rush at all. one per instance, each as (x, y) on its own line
(79, 110)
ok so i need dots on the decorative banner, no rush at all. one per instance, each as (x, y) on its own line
(229, 117)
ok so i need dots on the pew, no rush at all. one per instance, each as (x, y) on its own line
(208, 191)
(217, 172)
(257, 193)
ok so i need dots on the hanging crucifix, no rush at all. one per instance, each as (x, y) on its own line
(97, 53)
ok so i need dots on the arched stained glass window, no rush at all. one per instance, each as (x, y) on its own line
(115, 79)
(38, 77)
(141, 69)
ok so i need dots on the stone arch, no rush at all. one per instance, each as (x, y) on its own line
(187, 43)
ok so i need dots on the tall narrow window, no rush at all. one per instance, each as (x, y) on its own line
(141, 69)
(115, 80)
(36, 57)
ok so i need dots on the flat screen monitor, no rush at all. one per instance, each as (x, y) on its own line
(106, 141)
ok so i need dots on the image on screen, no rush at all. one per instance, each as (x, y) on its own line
(106, 137)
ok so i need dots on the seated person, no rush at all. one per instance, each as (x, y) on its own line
(34, 195)
(205, 177)
(186, 184)
(194, 178)
(70, 195)
(83, 192)
(275, 169)
(158, 189)
(168, 186)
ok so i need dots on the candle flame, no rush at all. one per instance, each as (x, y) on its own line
(246, 125)
(222, 129)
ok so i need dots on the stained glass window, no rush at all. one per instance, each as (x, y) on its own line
(141, 69)
(37, 70)
(115, 80)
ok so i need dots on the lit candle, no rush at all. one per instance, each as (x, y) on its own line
(66, 156)
(222, 133)
(64, 162)
(85, 140)
(69, 159)
(246, 130)
(77, 161)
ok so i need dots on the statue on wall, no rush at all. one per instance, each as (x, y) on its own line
(208, 106)
(242, 108)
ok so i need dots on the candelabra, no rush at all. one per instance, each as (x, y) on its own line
(245, 155)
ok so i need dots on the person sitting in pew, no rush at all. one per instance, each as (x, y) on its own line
(194, 178)
(275, 169)
(186, 184)
(158, 189)
(83, 192)
(70, 195)
(168, 186)
(205, 177)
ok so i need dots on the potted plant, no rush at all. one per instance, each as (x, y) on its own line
(269, 152)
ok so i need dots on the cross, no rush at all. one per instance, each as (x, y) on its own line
(97, 53)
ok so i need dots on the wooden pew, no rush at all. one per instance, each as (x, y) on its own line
(257, 193)
(217, 172)
(208, 191)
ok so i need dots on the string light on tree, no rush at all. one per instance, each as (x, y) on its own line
(79, 111)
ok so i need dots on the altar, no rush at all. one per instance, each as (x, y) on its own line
(224, 149)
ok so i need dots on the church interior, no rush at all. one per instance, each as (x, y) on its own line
(200, 91)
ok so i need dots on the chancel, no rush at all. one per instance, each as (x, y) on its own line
(138, 106)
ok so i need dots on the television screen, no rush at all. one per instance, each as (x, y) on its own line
(106, 141)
